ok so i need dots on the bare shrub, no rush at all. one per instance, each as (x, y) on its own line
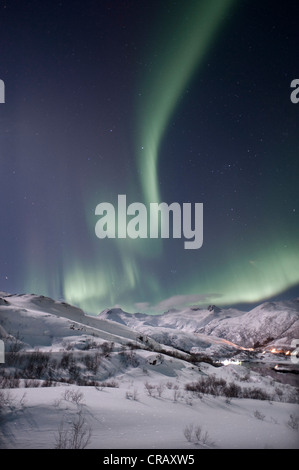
(8, 401)
(219, 387)
(91, 344)
(8, 381)
(107, 348)
(37, 363)
(74, 396)
(188, 400)
(176, 393)
(232, 390)
(293, 422)
(14, 344)
(196, 435)
(205, 439)
(31, 383)
(160, 389)
(255, 394)
(128, 357)
(92, 362)
(149, 388)
(65, 360)
(132, 395)
(258, 415)
(48, 383)
(209, 385)
(188, 432)
(74, 371)
(76, 436)
(110, 383)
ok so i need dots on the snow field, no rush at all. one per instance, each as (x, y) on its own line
(127, 417)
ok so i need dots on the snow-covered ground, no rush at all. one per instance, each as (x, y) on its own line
(118, 422)
(142, 393)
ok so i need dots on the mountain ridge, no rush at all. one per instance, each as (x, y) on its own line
(271, 324)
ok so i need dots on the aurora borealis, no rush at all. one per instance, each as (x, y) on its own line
(196, 25)
(185, 102)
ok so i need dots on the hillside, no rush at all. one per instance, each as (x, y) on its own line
(271, 323)
(140, 381)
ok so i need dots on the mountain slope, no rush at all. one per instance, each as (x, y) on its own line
(143, 390)
(276, 323)
(270, 322)
(41, 321)
(210, 331)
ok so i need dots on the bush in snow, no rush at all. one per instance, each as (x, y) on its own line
(255, 394)
(293, 422)
(76, 436)
(107, 348)
(74, 396)
(149, 388)
(92, 362)
(160, 389)
(210, 386)
(132, 395)
(8, 402)
(196, 435)
(219, 387)
(128, 357)
(258, 415)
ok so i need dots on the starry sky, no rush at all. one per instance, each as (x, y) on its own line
(161, 101)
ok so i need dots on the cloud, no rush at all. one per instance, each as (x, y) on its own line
(142, 305)
(177, 301)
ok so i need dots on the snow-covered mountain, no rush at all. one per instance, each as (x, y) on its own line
(212, 331)
(39, 321)
(42, 321)
(132, 380)
(270, 324)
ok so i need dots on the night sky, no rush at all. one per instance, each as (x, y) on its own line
(161, 101)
